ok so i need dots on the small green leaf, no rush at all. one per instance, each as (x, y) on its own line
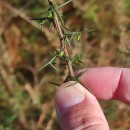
(67, 41)
(43, 22)
(78, 37)
(54, 67)
(48, 63)
(78, 56)
(61, 53)
(60, 6)
(50, 15)
(43, 66)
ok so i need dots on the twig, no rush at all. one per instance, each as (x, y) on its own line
(32, 94)
(43, 115)
(57, 26)
(51, 121)
(4, 77)
(23, 120)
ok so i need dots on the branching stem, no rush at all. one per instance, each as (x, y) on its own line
(58, 28)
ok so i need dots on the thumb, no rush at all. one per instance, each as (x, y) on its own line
(78, 109)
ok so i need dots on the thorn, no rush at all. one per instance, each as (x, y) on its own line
(56, 84)
(39, 18)
(68, 78)
(81, 74)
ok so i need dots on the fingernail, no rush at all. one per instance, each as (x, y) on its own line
(66, 97)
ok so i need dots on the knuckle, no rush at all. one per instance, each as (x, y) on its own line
(93, 123)
(87, 123)
(83, 119)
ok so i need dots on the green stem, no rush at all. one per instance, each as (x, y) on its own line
(58, 28)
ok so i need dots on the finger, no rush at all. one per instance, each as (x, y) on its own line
(78, 109)
(108, 83)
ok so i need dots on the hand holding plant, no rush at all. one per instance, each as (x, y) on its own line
(78, 109)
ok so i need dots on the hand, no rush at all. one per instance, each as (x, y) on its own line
(78, 109)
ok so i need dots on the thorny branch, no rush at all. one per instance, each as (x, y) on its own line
(57, 27)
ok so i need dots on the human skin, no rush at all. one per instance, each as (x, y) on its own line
(78, 109)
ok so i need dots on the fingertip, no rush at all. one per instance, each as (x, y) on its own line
(108, 83)
(103, 81)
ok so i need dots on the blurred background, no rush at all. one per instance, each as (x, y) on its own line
(26, 97)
